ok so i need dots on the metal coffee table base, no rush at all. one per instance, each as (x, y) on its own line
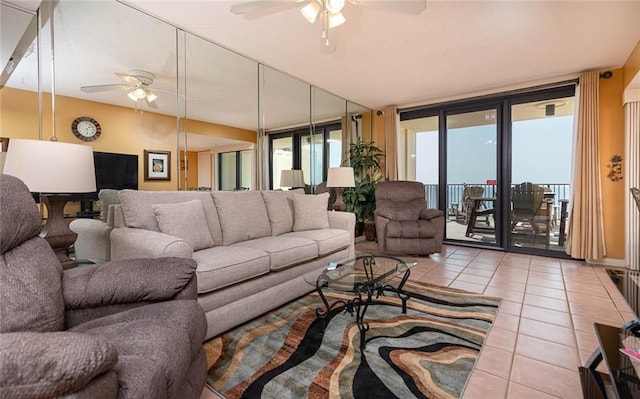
(358, 306)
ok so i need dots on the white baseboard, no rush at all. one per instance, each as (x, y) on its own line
(608, 262)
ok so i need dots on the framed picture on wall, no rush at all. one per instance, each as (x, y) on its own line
(157, 165)
(4, 144)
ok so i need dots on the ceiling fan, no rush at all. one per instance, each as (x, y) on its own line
(254, 6)
(329, 11)
(138, 84)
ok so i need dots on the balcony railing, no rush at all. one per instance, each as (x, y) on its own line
(454, 192)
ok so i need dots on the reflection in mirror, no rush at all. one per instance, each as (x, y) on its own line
(151, 86)
(285, 105)
(329, 114)
(220, 115)
(19, 79)
(128, 89)
(360, 123)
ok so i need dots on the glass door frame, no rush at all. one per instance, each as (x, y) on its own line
(502, 102)
(498, 107)
(538, 96)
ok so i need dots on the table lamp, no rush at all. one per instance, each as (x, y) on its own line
(53, 169)
(339, 178)
(292, 178)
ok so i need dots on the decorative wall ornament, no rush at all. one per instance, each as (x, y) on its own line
(615, 168)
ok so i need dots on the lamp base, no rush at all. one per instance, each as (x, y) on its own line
(339, 204)
(56, 231)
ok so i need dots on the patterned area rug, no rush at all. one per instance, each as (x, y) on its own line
(427, 353)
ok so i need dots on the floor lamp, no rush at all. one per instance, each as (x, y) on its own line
(339, 178)
(55, 170)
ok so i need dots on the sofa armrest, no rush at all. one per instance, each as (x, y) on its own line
(126, 281)
(342, 220)
(93, 240)
(428, 214)
(52, 364)
(384, 213)
(130, 243)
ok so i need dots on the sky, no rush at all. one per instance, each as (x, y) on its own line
(541, 153)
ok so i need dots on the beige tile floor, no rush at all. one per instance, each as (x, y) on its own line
(544, 328)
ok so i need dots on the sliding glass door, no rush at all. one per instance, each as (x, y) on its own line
(471, 176)
(541, 147)
(499, 167)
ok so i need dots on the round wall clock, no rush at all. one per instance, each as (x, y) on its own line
(85, 128)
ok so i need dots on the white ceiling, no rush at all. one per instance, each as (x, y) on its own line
(451, 49)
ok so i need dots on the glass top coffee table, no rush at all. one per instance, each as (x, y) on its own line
(364, 276)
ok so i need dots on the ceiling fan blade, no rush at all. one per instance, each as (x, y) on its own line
(257, 9)
(99, 88)
(405, 6)
(128, 78)
(248, 7)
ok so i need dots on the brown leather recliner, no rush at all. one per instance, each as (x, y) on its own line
(125, 329)
(404, 224)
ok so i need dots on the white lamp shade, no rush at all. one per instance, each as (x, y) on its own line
(336, 19)
(51, 166)
(340, 177)
(292, 178)
(311, 11)
(335, 6)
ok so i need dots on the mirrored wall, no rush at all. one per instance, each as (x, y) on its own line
(153, 87)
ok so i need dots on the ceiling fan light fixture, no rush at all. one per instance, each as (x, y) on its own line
(311, 11)
(151, 97)
(140, 93)
(335, 6)
(132, 96)
(336, 19)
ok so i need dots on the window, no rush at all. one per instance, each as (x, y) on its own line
(313, 154)
(235, 170)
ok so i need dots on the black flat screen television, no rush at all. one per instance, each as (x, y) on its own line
(116, 171)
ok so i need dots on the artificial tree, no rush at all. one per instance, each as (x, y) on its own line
(364, 158)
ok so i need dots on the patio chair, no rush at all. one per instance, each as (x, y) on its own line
(529, 209)
(468, 203)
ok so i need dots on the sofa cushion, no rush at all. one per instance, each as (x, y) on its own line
(310, 212)
(137, 207)
(52, 364)
(410, 229)
(280, 209)
(243, 215)
(283, 251)
(222, 266)
(328, 240)
(185, 220)
(152, 368)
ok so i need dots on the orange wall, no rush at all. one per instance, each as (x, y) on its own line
(191, 170)
(611, 114)
(124, 130)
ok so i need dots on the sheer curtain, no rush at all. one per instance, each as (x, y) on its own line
(586, 231)
(632, 145)
(391, 127)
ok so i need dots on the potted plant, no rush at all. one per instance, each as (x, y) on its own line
(364, 158)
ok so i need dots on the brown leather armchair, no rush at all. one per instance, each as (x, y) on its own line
(404, 224)
(125, 329)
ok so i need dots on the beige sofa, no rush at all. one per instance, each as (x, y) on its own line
(255, 250)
